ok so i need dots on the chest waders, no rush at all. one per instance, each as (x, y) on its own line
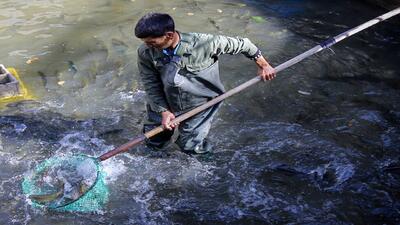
(185, 90)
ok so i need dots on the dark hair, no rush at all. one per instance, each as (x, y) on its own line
(154, 25)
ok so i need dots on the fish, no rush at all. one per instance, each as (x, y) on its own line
(235, 4)
(47, 198)
(43, 77)
(110, 132)
(214, 23)
(76, 191)
(304, 92)
(119, 45)
(284, 168)
(83, 188)
(72, 67)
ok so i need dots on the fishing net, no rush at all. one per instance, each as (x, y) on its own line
(67, 183)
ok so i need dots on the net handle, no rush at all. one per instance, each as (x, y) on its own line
(324, 45)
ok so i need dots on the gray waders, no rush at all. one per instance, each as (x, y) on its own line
(185, 90)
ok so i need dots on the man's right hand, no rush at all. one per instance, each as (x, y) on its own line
(167, 117)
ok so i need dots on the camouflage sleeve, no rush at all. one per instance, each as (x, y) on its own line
(152, 83)
(233, 45)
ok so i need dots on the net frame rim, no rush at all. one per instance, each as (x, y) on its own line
(98, 170)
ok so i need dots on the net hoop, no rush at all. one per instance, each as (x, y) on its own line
(84, 203)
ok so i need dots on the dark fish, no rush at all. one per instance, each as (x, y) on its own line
(392, 168)
(214, 23)
(287, 169)
(119, 46)
(43, 77)
(110, 132)
(72, 67)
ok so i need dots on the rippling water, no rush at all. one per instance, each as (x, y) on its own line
(317, 145)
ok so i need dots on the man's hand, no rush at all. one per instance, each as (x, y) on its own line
(167, 117)
(265, 70)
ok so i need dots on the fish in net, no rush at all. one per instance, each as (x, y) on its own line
(67, 183)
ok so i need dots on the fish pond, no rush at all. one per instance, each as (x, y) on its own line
(317, 145)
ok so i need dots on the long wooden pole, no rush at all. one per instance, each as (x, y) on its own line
(312, 51)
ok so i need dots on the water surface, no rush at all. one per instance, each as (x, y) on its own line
(317, 145)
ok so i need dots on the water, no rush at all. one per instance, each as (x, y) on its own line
(318, 145)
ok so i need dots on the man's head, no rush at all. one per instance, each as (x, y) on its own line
(156, 30)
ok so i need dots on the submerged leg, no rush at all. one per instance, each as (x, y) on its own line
(160, 140)
(193, 132)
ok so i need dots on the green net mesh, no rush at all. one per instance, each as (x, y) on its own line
(67, 183)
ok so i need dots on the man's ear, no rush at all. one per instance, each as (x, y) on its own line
(169, 34)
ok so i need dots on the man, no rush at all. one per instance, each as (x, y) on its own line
(179, 71)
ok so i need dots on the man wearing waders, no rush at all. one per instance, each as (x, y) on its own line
(179, 71)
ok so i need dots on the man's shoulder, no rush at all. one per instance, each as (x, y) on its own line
(194, 36)
(143, 50)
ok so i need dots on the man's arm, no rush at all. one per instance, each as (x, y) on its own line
(152, 83)
(234, 45)
(154, 90)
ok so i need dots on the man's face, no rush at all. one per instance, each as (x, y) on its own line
(160, 43)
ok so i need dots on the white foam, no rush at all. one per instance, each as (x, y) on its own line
(113, 168)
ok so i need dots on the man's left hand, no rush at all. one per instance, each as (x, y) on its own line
(266, 72)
